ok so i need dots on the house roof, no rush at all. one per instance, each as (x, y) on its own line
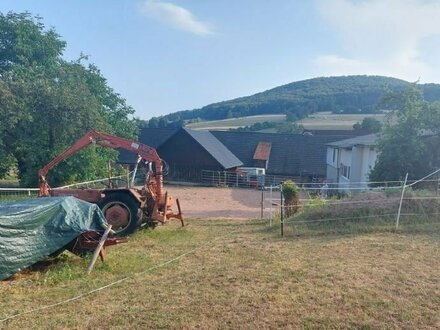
(215, 148)
(293, 154)
(365, 140)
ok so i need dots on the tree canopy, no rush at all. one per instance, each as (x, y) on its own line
(410, 140)
(368, 124)
(46, 103)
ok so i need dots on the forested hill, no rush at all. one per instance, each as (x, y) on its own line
(345, 94)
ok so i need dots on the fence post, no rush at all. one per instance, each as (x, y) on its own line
(438, 183)
(281, 213)
(270, 207)
(262, 201)
(401, 200)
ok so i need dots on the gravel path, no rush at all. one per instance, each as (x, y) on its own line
(218, 203)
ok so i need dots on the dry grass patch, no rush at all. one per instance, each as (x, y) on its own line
(243, 275)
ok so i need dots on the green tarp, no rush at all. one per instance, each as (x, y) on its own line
(33, 229)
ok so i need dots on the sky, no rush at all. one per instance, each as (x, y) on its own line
(171, 55)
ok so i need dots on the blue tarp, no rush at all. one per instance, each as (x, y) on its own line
(33, 229)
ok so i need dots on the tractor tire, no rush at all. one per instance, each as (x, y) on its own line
(121, 211)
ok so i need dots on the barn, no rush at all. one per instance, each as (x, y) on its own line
(186, 152)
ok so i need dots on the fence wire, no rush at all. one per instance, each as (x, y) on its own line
(412, 205)
(13, 193)
(7, 194)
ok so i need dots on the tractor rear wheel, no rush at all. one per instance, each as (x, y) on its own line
(121, 211)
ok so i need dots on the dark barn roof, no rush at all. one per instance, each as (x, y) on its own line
(215, 148)
(346, 133)
(160, 139)
(153, 137)
(291, 154)
(197, 149)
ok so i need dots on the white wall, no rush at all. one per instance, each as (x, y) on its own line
(360, 159)
(372, 157)
(364, 158)
(330, 161)
(345, 157)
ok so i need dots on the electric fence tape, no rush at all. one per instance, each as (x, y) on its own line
(85, 294)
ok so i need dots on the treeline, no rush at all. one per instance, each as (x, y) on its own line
(46, 103)
(346, 94)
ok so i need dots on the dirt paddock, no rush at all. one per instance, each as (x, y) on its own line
(218, 203)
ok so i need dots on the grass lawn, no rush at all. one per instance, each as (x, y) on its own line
(241, 275)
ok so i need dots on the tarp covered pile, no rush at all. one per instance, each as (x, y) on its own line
(33, 229)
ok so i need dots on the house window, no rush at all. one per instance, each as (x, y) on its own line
(346, 171)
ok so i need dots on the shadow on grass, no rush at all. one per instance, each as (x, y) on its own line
(229, 223)
(355, 227)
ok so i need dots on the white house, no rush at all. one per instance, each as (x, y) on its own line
(350, 161)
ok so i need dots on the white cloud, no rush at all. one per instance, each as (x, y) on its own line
(178, 17)
(381, 37)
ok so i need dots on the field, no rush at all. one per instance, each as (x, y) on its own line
(318, 121)
(226, 124)
(323, 120)
(231, 274)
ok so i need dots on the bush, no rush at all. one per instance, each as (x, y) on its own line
(291, 197)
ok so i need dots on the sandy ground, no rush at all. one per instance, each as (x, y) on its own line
(219, 203)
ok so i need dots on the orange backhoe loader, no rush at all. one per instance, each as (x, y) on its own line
(124, 208)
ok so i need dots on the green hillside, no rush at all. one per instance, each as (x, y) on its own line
(345, 94)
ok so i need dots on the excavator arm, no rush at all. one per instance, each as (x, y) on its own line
(109, 141)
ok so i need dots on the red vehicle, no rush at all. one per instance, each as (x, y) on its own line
(124, 208)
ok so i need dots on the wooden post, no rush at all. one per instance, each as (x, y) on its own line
(180, 212)
(281, 212)
(127, 176)
(401, 200)
(262, 201)
(109, 173)
(98, 249)
(270, 207)
(438, 184)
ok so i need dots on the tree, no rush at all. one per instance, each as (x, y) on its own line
(368, 124)
(25, 43)
(290, 128)
(291, 116)
(409, 143)
(48, 103)
(9, 118)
